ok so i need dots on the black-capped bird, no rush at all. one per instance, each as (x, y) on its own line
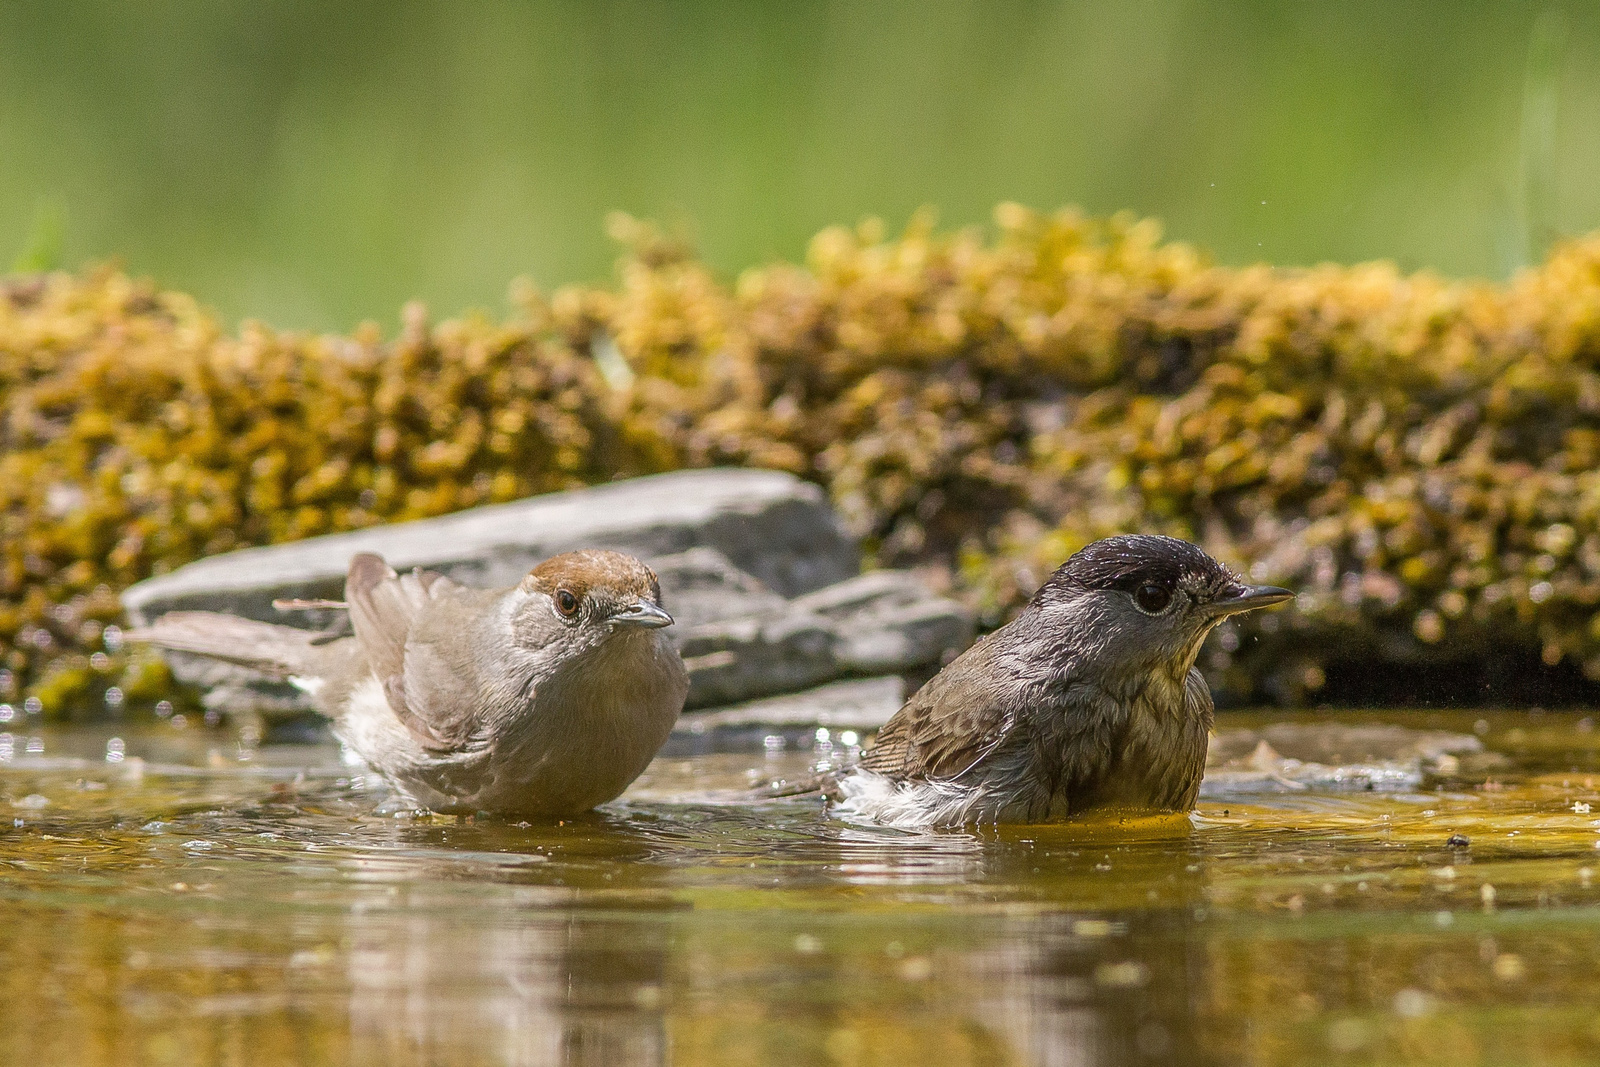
(1088, 698)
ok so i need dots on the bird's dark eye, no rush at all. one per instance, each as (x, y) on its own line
(1152, 599)
(566, 603)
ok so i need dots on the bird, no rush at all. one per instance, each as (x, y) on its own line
(547, 698)
(1089, 698)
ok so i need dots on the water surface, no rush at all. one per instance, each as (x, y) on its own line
(203, 901)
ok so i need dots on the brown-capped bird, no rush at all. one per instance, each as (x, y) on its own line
(1088, 698)
(546, 698)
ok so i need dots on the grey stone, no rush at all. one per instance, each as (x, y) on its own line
(769, 524)
(1324, 757)
(884, 622)
(752, 565)
(866, 592)
(703, 586)
(738, 659)
(858, 704)
(888, 621)
(1337, 743)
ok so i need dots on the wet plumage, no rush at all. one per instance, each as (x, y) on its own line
(549, 697)
(1088, 698)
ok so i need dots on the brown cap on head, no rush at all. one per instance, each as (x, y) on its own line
(600, 586)
(594, 570)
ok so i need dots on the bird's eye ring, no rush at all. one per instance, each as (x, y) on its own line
(566, 603)
(1152, 599)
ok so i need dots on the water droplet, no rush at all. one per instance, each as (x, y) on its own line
(1129, 974)
(1347, 1035)
(1412, 1003)
(1509, 967)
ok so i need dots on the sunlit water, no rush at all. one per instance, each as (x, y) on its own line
(181, 905)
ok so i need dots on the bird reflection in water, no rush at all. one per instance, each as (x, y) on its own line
(456, 967)
(528, 982)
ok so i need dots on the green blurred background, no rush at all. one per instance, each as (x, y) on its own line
(315, 164)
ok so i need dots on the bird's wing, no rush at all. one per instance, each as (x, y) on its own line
(385, 608)
(948, 726)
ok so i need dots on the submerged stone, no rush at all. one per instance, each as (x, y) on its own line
(1339, 757)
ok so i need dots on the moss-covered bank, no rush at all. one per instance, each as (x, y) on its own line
(1417, 454)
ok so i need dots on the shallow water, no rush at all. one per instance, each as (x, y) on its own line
(187, 905)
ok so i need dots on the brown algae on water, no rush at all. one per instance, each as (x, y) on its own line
(195, 899)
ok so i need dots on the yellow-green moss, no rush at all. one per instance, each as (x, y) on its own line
(1418, 454)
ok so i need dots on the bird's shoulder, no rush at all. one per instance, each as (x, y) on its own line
(418, 655)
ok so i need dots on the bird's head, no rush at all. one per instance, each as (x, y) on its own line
(583, 598)
(1137, 602)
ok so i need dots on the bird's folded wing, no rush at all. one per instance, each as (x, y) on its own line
(385, 608)
(951, 724)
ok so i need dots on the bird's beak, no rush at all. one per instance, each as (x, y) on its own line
(1247, 598)
(646, 614)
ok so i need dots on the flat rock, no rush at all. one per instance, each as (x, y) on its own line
(888, 622)
(741, 642)
(1323, 757)
(771, 525)
(753, 566)
(862, 704)
(702, 587)
(1336, 743)
(738, 659)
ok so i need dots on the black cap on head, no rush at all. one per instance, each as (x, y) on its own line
(1128, 561)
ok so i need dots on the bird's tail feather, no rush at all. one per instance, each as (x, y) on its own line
(279, 651)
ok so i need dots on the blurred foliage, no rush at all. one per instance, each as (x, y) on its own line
(315, 164)
(1418, 456)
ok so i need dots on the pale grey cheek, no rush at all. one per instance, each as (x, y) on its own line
(1088, 612)
(1129, 636)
